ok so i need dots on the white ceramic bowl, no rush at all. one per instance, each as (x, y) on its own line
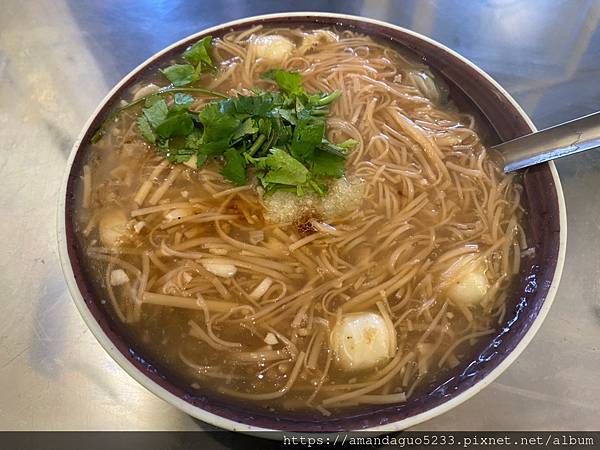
(533, 294)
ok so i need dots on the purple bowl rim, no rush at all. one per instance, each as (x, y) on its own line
(89, 308)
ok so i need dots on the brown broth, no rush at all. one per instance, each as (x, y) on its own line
(442, 217)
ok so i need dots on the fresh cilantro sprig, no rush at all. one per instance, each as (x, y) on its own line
(281, 134)
(197, 59)
(99, 133)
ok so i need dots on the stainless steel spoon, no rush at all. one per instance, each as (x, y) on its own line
(555, 142)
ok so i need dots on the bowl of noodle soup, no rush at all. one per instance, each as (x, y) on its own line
(378, 294)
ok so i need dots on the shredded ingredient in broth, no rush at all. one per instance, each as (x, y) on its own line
(361, 295)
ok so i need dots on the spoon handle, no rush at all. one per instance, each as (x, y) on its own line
(561, 140)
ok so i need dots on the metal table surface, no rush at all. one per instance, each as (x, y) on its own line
(58, 59)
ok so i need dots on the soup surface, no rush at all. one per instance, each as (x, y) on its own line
(373, 272)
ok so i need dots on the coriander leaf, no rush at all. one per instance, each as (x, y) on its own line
(313, 99)
(198, 53)
(301, 110)
(286, 114)
(180, 74)
(180, 158)
(327, 165)
(247, 127)
(156, 113)
(282, 134)
(213, 148)
(289, 82)
(163, 145)
(179, 155)
(284, 169)
(151, 100)
(348, 143)
(270, 188)
(269, 142)
(235, 167)
(201, 159)
(205, 151)
(337, 149)
(319, 187)
(306, 136)
(146, 129)
(217, 125)
(324, 99)
(194, 139)
(183, 99)
(256, 105)
(256, 145)
(265, 126)
(177, 123)
(227, 106)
